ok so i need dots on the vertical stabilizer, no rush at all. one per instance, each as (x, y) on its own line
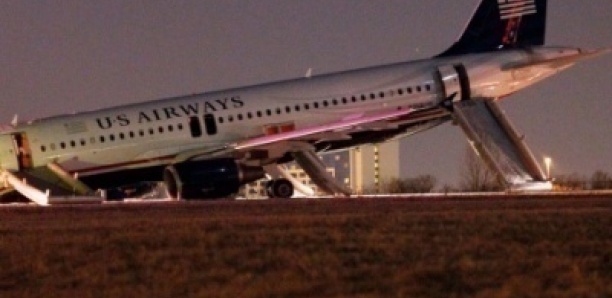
(502, 24)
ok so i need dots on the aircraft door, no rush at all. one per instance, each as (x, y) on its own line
(24, 156)
(211, 124)
(454, 80)
(9, 153)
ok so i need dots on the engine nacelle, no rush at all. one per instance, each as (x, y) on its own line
(208, 179)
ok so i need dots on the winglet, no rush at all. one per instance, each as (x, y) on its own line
(562, 61)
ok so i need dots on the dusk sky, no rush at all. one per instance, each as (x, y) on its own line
(66, 56)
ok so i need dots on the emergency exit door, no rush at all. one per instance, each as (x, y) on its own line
(454, 81)
(15, 152)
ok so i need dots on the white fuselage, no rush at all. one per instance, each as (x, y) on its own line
(153, 133)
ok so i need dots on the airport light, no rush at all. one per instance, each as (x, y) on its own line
(548, 163)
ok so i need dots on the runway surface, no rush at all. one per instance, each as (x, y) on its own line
(370, 247)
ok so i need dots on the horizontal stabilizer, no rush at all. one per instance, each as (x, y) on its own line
(558, 63)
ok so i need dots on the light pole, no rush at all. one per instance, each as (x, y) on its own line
(548, 163)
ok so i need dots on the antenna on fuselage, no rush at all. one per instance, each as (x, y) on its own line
(308, 74)
(15, 120)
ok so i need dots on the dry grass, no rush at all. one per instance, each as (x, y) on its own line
(364, 248)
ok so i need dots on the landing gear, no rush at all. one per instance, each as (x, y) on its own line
(279, 188)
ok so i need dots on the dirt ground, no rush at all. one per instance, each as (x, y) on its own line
(390, 247)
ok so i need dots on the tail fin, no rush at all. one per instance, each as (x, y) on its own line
(502, 24)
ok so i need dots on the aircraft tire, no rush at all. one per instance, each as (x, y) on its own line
(280, 188)
(269, 190)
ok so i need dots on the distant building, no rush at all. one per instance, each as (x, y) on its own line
(371, 165)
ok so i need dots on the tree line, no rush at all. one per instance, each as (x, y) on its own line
(476, 176)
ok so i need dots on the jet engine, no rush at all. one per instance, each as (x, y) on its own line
(208, 179)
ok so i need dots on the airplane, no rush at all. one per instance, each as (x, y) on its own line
(208, 145)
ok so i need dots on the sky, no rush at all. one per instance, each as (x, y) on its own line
(67, 56)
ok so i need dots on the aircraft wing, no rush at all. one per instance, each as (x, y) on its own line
(332, 131)
(320, 132)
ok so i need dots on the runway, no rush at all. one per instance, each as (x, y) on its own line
(311, 247)
(93, 201)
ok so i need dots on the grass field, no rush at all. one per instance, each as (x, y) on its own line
(311, 248)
